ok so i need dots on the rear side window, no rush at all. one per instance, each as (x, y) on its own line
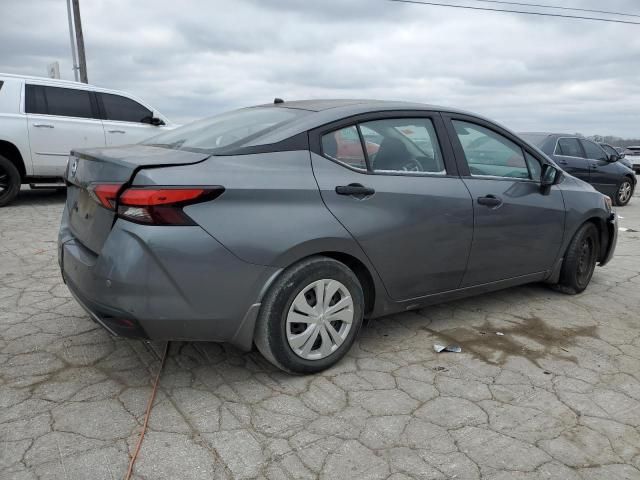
(344, 146)
(490, 154)
(124, 109)
(593, 150)
(34, 100)
(569, 147)
(403, 145)
(64, 102)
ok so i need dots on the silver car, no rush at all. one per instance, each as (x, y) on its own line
(283, 225)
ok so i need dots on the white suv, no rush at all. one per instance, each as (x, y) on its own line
(42, 119)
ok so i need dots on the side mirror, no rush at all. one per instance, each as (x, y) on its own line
(157, 121)
(613, 158)
(548, 177)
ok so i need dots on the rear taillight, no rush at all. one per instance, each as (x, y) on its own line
(162, 205)
(105, 194)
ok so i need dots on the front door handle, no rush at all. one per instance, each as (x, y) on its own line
(43, 125)
(490, 201)
(354, 189)
(116, 131)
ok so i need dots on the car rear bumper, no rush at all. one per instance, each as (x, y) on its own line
(612, 231)
(165, 283)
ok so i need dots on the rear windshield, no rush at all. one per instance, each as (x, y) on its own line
(536, 139)
(232, 129)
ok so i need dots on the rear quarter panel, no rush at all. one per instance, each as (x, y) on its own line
(271, 212)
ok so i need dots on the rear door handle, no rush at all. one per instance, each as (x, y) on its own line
(490, 201)
(116, 131)
(43, 125)
(354, 189)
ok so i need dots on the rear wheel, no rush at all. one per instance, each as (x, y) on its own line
(311, 316)
(9, 181)
(580, 260)
(624, 193)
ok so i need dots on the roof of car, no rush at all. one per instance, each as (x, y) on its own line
(326, 111)
(53, 81)
(549, 134)
(319, 105)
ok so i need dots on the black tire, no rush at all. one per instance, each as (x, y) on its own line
(580, 260)
(271, 334)
(624, 192)
(9, 181)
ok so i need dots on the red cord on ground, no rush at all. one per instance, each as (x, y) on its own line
(147, 414)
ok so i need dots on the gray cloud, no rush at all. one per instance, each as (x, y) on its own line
(197, 58)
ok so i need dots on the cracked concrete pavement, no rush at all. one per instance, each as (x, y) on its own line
(557, 396)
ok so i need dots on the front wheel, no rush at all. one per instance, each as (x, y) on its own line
(311, 316)
(580, 260)
(624, 193)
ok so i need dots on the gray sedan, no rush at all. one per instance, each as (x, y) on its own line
(283, 225)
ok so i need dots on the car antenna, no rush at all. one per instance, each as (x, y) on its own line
(278, 100)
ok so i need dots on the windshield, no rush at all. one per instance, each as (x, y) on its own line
(231, 129)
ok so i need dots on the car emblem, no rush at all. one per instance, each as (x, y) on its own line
(74, 167)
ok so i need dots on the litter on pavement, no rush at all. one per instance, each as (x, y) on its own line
(447, 348)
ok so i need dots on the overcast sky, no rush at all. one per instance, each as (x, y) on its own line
(191, 59)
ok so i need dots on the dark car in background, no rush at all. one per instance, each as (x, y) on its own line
(284, 225)
(587, 161)
(633, 156)
(614, 152)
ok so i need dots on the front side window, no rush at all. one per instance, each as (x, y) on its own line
(490, 154)
(535, 167)
(124, 109)
(569, 147)
(398, 145)
(610, 150)
(68, 102)
(593, 150)
(345, 147)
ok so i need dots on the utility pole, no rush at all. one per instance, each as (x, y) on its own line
(74, 55)
(80, 42)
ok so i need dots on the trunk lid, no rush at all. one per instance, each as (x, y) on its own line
(89, 222)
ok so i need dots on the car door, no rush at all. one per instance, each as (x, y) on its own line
(401, 200)
(518, 229)
(604, 175)
(126, 120)
(60, 119)
(570, 156)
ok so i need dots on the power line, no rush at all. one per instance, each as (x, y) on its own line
(522, 12)
(575, 9)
